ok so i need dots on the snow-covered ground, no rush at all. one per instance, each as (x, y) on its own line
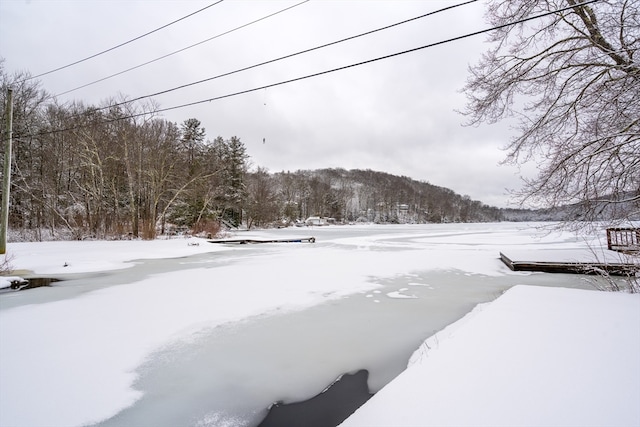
(94, 348)
(534, 357)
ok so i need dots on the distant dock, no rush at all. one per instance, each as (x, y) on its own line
(253, 241)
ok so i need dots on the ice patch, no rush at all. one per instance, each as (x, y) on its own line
(400, 295)
(216, 419)
(426, 285)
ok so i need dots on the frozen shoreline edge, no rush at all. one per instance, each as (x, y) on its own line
(427, 394)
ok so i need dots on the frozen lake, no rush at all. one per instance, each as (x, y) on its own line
(250, 325)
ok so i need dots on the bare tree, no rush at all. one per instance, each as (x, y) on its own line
(572, 81)
(29, 157)
(261, 206)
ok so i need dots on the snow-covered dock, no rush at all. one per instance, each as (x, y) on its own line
(575, 266)
(248, 241)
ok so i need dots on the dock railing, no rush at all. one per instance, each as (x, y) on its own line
(623, 239)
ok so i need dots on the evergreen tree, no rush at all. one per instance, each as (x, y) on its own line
(232, 192)
(192, 143)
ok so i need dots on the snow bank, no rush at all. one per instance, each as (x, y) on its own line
(534, 357)
(7, 281)
(50, 258)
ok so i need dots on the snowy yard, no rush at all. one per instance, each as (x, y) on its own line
(184, 332)
(534, 357)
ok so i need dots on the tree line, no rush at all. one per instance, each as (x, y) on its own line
(117, 170)
(571, 78)
(347, 196)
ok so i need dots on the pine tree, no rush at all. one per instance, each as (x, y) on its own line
(192, 142)
(233, 194)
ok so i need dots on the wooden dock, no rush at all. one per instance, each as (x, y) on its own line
(614, 269)
(253, 241)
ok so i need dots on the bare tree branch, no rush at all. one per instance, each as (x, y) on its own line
(573, 84)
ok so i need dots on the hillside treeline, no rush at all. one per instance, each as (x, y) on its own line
(117, 170)
(359, 195)
(114, 170)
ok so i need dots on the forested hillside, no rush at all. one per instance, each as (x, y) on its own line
(361, 195)
(117, 170)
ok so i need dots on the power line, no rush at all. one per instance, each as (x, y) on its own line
(122, 44)
(475, 33)
(291, 55)
(183, 49)
(464, 36)
(266, 62)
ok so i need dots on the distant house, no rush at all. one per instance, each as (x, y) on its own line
(316, 220)
(402, 212)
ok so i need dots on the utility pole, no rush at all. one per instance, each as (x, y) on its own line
(6, 182)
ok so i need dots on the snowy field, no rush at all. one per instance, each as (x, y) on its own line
(534, 357)
(185, 332)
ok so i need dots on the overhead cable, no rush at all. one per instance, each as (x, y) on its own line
(442, 42)
(183, 49)
(122, 44)
(357, 64)
(162, 92)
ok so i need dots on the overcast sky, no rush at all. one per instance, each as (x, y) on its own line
(396, 115)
